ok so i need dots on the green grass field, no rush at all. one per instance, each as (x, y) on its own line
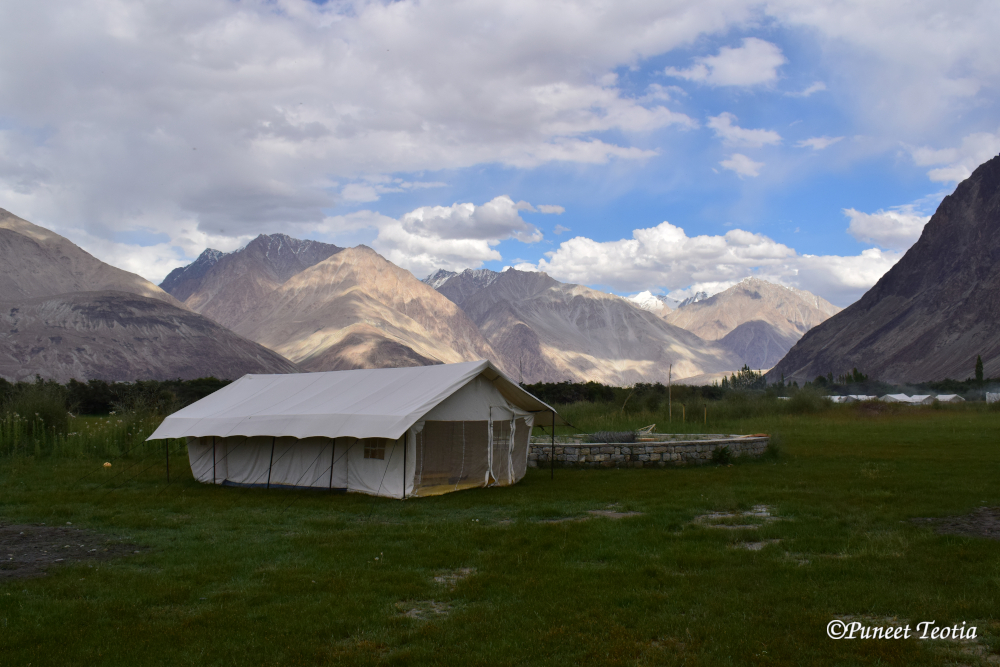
(229, 576)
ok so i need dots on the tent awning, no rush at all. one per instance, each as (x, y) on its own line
(368, 403)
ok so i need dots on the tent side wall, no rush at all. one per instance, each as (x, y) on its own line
(370, 465)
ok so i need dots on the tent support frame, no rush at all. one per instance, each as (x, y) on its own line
(333, 459)
(552, 453)
(215, 478)
(269, 465)
(166, 448)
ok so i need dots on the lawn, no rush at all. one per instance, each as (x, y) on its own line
(527, 574)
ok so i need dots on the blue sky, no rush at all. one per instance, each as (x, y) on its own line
(662, 146)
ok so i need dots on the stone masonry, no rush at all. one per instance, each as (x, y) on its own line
(658, 453)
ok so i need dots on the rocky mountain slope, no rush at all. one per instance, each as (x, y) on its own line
(932, 313)
(37, 262)
(353, 309)
(549, 331)
(227, 286)
(755, 319)
(66, 314)
(121, 336)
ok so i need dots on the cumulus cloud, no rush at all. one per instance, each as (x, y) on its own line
(900, 67)
(895, 229)
(742, 165)
(959, 162)
(494, 220)
(818, 143)
(816, 87)
(733, 135)
(754, 63)
(243, 116)
(428, 238)
(666, 258)
(551, 209)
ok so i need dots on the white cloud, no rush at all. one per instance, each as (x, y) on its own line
(154, 261)
(455, 237)
(959, 162)
(494, 220)
(818, 143)
(666, 258)
(895, 229)
(755, 62)
(551, 209)
(816, 87)
(246, 115)
(742, 165)
(559, 229)
(733, 135)
(900, 68)
(356, 192)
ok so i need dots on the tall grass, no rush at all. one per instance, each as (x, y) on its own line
(735, 412)
(35, 422)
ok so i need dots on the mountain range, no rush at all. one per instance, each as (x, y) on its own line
(328, 308)
(545, 330)
(757, 320)
(288, 304)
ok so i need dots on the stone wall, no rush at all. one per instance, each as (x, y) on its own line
(660, 453)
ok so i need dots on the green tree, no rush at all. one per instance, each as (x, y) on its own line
(979, 368)
(746, 379)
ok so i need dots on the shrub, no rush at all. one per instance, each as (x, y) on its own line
(722, 456)
(806, 400)
(774, 450)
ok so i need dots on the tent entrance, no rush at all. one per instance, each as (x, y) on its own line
(455, 455)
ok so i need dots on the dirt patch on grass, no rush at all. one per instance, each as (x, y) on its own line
(612, 514)
(752, 518)
(423, 610)
(452, 577)
(754, 546)
(982, 522)
(30, 550)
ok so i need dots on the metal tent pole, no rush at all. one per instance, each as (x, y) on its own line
(406, 442)
(273, 438)
(333, 459)
(166, 447)
(552, 454)
(215, 478)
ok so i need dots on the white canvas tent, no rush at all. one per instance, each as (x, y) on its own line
(395, 432)
(950, 398)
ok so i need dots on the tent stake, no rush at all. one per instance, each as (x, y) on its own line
(271, 463)
(552, 454)
(166, 447)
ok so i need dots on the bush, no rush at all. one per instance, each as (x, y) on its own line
(722, 456)
(805, 401)
(774, 450)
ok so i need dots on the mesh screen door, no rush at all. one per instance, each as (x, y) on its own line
(451, 455)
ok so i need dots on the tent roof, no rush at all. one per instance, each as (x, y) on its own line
(369, 403)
